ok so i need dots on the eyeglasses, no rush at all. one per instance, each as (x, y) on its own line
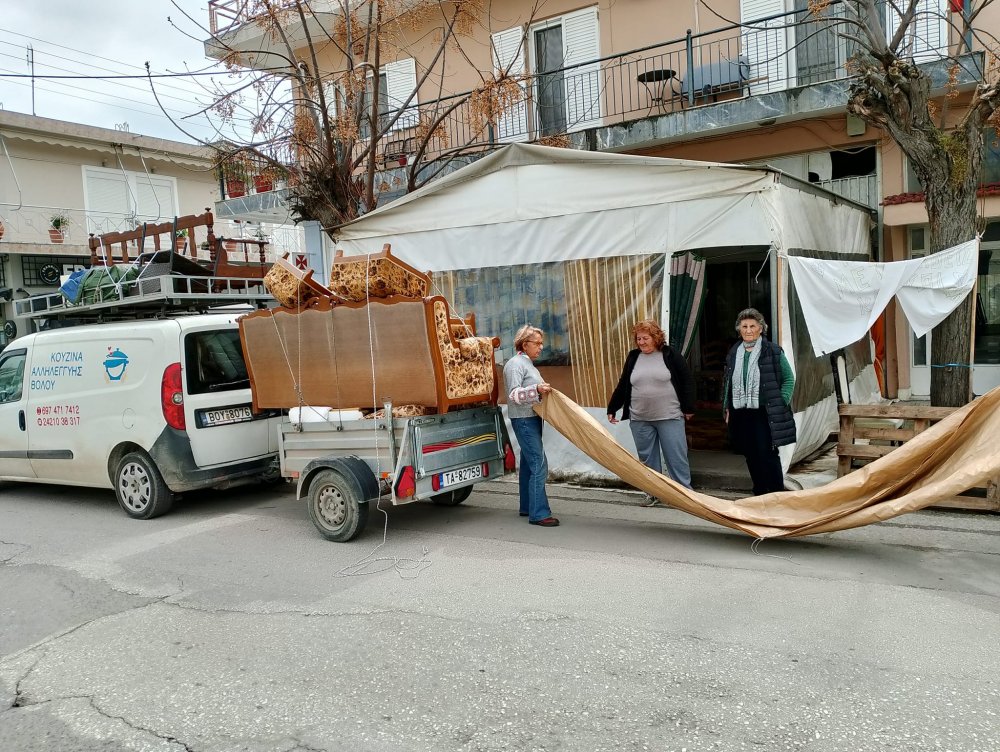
(534, 342)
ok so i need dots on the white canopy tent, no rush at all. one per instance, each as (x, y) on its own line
(530, 205)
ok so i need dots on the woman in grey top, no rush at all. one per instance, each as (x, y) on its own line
(525, 387)
(656, 393)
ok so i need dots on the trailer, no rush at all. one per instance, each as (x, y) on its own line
(342, 467)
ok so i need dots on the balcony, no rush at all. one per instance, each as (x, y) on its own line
(231, 23)
(732, 78)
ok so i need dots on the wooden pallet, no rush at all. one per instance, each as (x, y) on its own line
(885, 427)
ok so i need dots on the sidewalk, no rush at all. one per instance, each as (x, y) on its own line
(725, 475)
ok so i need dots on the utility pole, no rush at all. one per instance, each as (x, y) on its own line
(31, 64)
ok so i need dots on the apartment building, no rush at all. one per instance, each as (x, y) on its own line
(61, 182)
(730, 81)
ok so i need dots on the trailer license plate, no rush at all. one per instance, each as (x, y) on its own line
(454, 477)
(225, 416)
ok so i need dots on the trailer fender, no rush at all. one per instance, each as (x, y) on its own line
(350, 466)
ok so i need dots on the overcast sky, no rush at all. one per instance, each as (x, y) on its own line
(105, 37)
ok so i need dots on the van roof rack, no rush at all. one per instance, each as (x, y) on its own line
(149, 297)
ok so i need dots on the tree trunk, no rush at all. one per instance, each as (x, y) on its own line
(951, 179)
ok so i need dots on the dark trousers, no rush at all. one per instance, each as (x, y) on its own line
(750, 435)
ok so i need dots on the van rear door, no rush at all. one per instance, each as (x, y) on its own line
(218, 405)
(14, 462)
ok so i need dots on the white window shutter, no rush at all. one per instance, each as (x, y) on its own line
(331, 94)
(582, 42)
(508, 55)
(401, 81)
(108, 202)
(155, 196)
(764, 45)
(927, 36)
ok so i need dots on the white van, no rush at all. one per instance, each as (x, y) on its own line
(147, 407)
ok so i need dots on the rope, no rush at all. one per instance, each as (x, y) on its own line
(756, 545)
(407, 568)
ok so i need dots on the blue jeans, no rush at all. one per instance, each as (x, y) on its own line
(534, 468)
(652, 437)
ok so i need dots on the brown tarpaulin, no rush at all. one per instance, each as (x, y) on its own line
(958, 453)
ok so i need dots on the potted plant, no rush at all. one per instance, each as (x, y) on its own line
(57, 232)
(264, 181)
(235, 170)
(270, 177)
(180, 240)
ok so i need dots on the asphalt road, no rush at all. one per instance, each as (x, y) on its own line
(231, 625)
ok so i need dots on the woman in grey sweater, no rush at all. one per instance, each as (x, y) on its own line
(525, 387)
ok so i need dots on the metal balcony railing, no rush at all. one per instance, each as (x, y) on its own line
(861, 188)
(224, 15)
(737, 61)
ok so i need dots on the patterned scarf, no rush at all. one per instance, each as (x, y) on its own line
(748, 396)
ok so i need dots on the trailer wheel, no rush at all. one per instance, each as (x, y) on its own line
(452, 498)
(336, 507)
(140, 488)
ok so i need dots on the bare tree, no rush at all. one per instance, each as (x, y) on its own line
(892, 92)
(316, 106)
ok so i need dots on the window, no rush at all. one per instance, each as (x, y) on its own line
(508, 57)
(917, 237)
(820, 51)
(383, 105)
(214, 362)
(12, 376)
(397, 81)
(567, 91)
(987, 311)
(764, 44)
(119, 200)
(926, 38)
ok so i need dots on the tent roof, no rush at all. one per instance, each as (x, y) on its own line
(568, 203)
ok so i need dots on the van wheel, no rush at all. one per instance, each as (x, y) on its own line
(140, 488)
(336, 507)
(452, 498)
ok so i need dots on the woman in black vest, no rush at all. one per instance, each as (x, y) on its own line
(757, 399)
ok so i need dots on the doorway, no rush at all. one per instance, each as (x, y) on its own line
(734, 281)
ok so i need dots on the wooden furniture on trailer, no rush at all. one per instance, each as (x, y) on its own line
(890, 426)
(362, 354)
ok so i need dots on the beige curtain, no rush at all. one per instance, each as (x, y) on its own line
(605, 297)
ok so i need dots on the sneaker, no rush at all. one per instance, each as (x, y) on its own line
(651, 501)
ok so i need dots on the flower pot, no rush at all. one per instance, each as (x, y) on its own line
(262, 184)
(55, 236)
(181, 244)
(235, 188)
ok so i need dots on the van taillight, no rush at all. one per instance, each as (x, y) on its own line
(172, 396)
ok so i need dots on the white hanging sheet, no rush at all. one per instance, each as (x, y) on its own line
(842, 299)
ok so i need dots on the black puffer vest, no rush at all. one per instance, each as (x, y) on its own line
(779, 415)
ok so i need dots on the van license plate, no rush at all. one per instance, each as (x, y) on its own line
(454, 477)
(225, 416)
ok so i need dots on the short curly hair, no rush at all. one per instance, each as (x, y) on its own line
(525, 333)
(650, 327)
(751, 313)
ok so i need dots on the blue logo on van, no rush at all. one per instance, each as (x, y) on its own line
(115, 364)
